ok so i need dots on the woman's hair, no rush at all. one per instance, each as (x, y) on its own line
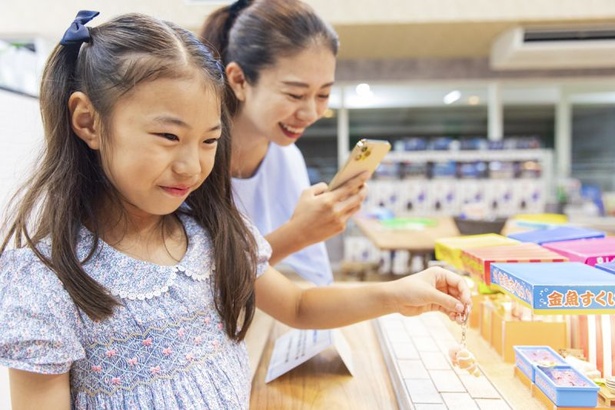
(70, 185)
(255, 34)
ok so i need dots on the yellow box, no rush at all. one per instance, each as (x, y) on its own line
(449, 249)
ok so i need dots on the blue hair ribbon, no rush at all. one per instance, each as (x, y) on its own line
(78, 33)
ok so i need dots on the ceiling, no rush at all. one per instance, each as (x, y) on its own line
(368, 29)
(433, 40)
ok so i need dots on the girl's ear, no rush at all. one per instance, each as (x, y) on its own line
(83, 119)
(236, 79)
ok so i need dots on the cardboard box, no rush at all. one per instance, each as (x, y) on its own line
(449, 249)
(561, 287)
(556, 234)
(587, 251)
(507, 332)
(477, 262)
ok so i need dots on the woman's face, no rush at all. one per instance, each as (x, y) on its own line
(290, 96)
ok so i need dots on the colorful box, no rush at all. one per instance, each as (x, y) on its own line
(557, 234)
(567, 387)
(477, 262)
(560, 287)
(449, 249)
(588, 251)
(527, 358)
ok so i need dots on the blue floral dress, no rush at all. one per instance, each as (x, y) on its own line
(164, 348)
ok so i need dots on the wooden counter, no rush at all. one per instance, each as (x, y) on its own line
(417, 240)
(324, 383)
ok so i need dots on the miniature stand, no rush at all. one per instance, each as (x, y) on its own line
(606, 397)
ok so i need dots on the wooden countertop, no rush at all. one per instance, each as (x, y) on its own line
(324, 383)
(418, 239)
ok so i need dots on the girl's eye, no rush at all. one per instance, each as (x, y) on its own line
(324, 96)
(211, 141)
(170, 137)
(295, 96)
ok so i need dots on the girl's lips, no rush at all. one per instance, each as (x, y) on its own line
(176, 191)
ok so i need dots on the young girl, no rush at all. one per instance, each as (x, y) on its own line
(134, 278)
(280, 63)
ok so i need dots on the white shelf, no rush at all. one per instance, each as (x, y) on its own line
(542, 155)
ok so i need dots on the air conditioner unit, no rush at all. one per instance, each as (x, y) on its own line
(554, 48)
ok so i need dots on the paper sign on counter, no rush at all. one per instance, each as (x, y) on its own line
(298, 346)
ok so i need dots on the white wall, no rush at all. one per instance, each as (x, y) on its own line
(20, 137)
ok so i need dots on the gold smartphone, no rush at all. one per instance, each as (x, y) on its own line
(365, 156)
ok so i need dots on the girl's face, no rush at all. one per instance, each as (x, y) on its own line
(290, 96)
(162, 143)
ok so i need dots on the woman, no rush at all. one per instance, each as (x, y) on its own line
(280, 65)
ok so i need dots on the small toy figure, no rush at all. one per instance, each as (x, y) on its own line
(460, 355)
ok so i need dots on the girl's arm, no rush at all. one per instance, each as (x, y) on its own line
(319, 215)
(334, 306)
(33, 391)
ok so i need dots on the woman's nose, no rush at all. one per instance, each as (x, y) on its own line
(308, 111)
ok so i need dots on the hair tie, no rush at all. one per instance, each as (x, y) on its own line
(233, 11)
(77, 33)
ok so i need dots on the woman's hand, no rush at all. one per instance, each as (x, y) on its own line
(321, 214)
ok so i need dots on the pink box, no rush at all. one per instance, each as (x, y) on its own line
(587, 251)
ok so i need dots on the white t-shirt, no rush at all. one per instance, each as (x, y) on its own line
(269, 199)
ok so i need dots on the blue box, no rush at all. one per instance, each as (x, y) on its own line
(556, 234)
(527, 358)
(566, 386)
(557, 287)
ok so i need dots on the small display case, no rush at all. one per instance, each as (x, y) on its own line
(566, 387)
(528, 358)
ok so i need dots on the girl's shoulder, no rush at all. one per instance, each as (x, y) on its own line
(23, 268)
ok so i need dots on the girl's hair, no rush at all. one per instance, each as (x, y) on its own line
(255, 34)
(70, 185)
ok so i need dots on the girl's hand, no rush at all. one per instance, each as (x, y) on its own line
(432, 289)
(321, 214)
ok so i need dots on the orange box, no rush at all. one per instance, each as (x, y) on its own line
(508, 332)
(474, 319)
(485, 315)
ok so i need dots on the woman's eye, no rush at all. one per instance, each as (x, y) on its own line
(324, 96)
(295, 96)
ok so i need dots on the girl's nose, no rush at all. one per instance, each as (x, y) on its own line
(187, 162)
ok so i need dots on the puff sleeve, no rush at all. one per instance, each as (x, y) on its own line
(39, 322)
